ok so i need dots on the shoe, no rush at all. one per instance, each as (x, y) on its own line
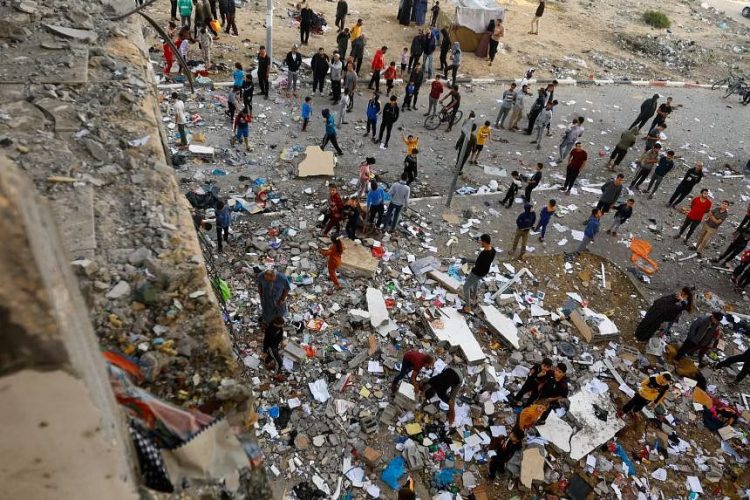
(533, 142)
(383, 146)
(614, 233)
(426, 114)
(676, 237)
(607, 231)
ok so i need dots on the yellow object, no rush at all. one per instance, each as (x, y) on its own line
(640, 256)
(413, 429)
(483, 134)
(355, 33)
(650, 393)
(411, 145)
(364, 392)
(700, 397)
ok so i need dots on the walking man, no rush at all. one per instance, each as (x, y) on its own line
(610, 193)
(342, 9)
(179, 118)
(623, 212)
(518, 107)
(647, 162)
(480, 270)
(455, 62)
(305, 23)
(533, 182)
(716, 218)
(399, 199)
(576, 162)
(416, 49)
(509, 98)
(698, 208)
(544, 119)
(223, 221)
(389, 117)
(273, 288)
(570, 138)
(330, 132)
(524, 222)
(436, 89)
(666, 164)
(538, 106)
(378, 63)
(692, 177)
(648, 108)
(627, 139)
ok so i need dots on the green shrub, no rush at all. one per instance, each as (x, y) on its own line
(656, 19)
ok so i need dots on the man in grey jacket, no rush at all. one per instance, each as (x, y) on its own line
(509, 97)
(542, 120)
(703, 334)
(399, 192)
(611, 191)
(335, 74)
(570, 137)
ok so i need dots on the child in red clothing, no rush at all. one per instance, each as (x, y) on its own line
(390, 75)
(168, 58)
(334, 258)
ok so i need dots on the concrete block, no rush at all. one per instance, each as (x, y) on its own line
(594, 432)
(501, 325)
(371, 456)
(358, 260)
(295, 352)
(376, 307)
(456, 332)
(445, 281)
(406, 396)
(556, 431)
(424, 265)
(389, 414)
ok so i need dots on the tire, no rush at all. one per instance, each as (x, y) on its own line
(733, 89)
(746, 12)
(459, 115)
(719, 83)
(432, 122)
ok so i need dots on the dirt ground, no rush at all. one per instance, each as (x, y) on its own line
(568, 44)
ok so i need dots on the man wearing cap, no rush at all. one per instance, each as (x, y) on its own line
(702, 336)
(648, 108)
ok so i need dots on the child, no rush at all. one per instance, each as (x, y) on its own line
(238, 76)
(544, 217)
(515, 185)
(343, 104)
(408, 94)
(373, 110)
(411, 142)
(205, 41)
(353, 217)
(483, 135)
(364, 175)
(168, 58)
(390, 75)
(272, 338)
(592, 228)
(335, 206)
(504, 448)
(231, 104)
(306, 112)
(622, 213)
(404, 60)
(242, 127)
(410, 166)
(334, 258)
(183, 42)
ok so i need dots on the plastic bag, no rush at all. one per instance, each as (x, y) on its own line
(393, 472)
(222, 288)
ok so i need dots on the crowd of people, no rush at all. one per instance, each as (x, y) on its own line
(366, 212)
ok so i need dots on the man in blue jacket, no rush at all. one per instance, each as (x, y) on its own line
(592, 229)
(524, 222)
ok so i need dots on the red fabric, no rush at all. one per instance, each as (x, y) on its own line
(390, 73)
(377, 61)
(699, 208)
(335, 204)
(436, 88)
(417, 360)
(745, 256)
(577, 157)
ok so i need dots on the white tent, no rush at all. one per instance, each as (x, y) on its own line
(477, 14)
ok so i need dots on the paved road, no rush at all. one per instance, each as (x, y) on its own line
(732, 8)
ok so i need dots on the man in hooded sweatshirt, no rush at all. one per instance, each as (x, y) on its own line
(648, 108)
(455, 62)
(445, 47)
(592, 229)
(524, 222)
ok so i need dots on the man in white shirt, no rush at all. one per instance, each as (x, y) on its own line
(179, 117)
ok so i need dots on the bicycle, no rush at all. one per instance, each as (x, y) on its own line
(739, 87)
(432, 122)
(729, 81)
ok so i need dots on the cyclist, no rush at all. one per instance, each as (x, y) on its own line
(452, 105)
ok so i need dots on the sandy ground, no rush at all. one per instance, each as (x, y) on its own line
(567, 37)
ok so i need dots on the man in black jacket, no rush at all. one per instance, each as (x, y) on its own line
(648, 108)
(390, 115)
(293, 62)
(319, 65)
(445, 47)
(416, 77)
(342, 42)
(342, 9)
(741, 237)
(264, 68)
(429, 43)
(692, 177)
(536, 108)
(480, 270)
(305, 23)
(416, 50)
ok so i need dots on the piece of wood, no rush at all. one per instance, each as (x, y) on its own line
(580, 323)
(317, 162)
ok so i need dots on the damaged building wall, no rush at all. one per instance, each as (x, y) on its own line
(80, 117)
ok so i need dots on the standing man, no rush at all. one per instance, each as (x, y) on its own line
(435, 13)
(436, 89)
(350, 83)
(273, 288)
(375, 201)
(264, 68)
(357, 31)
(662, 113)
(610, 193)
(537, 16)
(741, 237)
(455, 62)
(716, 218)
(390, 115)
(497, 34)
(627, 139)
(483, 135)
(648, 108)
(223, 221)
(416, 49)
(533, 182)
(648, 161)
(445, 47)
(536, 108)
(666, 164)
(399, 199)
(186, 11)
(570, 137)
(542, 122)
(623, 212)
(330, 132)
(592, 229)
(410, 166)
(576, 162)
(698, 208)
(358, 51)
(319, 65)
(518, 107)
(692, 177)
(509, 98)
(378, 63)
(413, 362)
(703, 334)
(342, 42)
(430, 44)
(336, 67)
(293, 63)
(654, 135)
(305, 23)
(417, 78)
(231, 23)
(524, 222)
(373, 110)
(179, 118)
(342, 9)
(480, 270)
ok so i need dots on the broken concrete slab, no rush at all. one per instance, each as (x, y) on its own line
(201, 151)
(406, 397)
(592, 326)
(556, 431)
(451, 327)
(532, 466)
(445, 281)
(501, 325)
(376, 307)
(424, 265)
(317, 162)
(64, 114)
(72, 33)
(594, 432)
(513, 280)
(358, 259)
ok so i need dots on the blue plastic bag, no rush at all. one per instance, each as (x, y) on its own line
(395, 469)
